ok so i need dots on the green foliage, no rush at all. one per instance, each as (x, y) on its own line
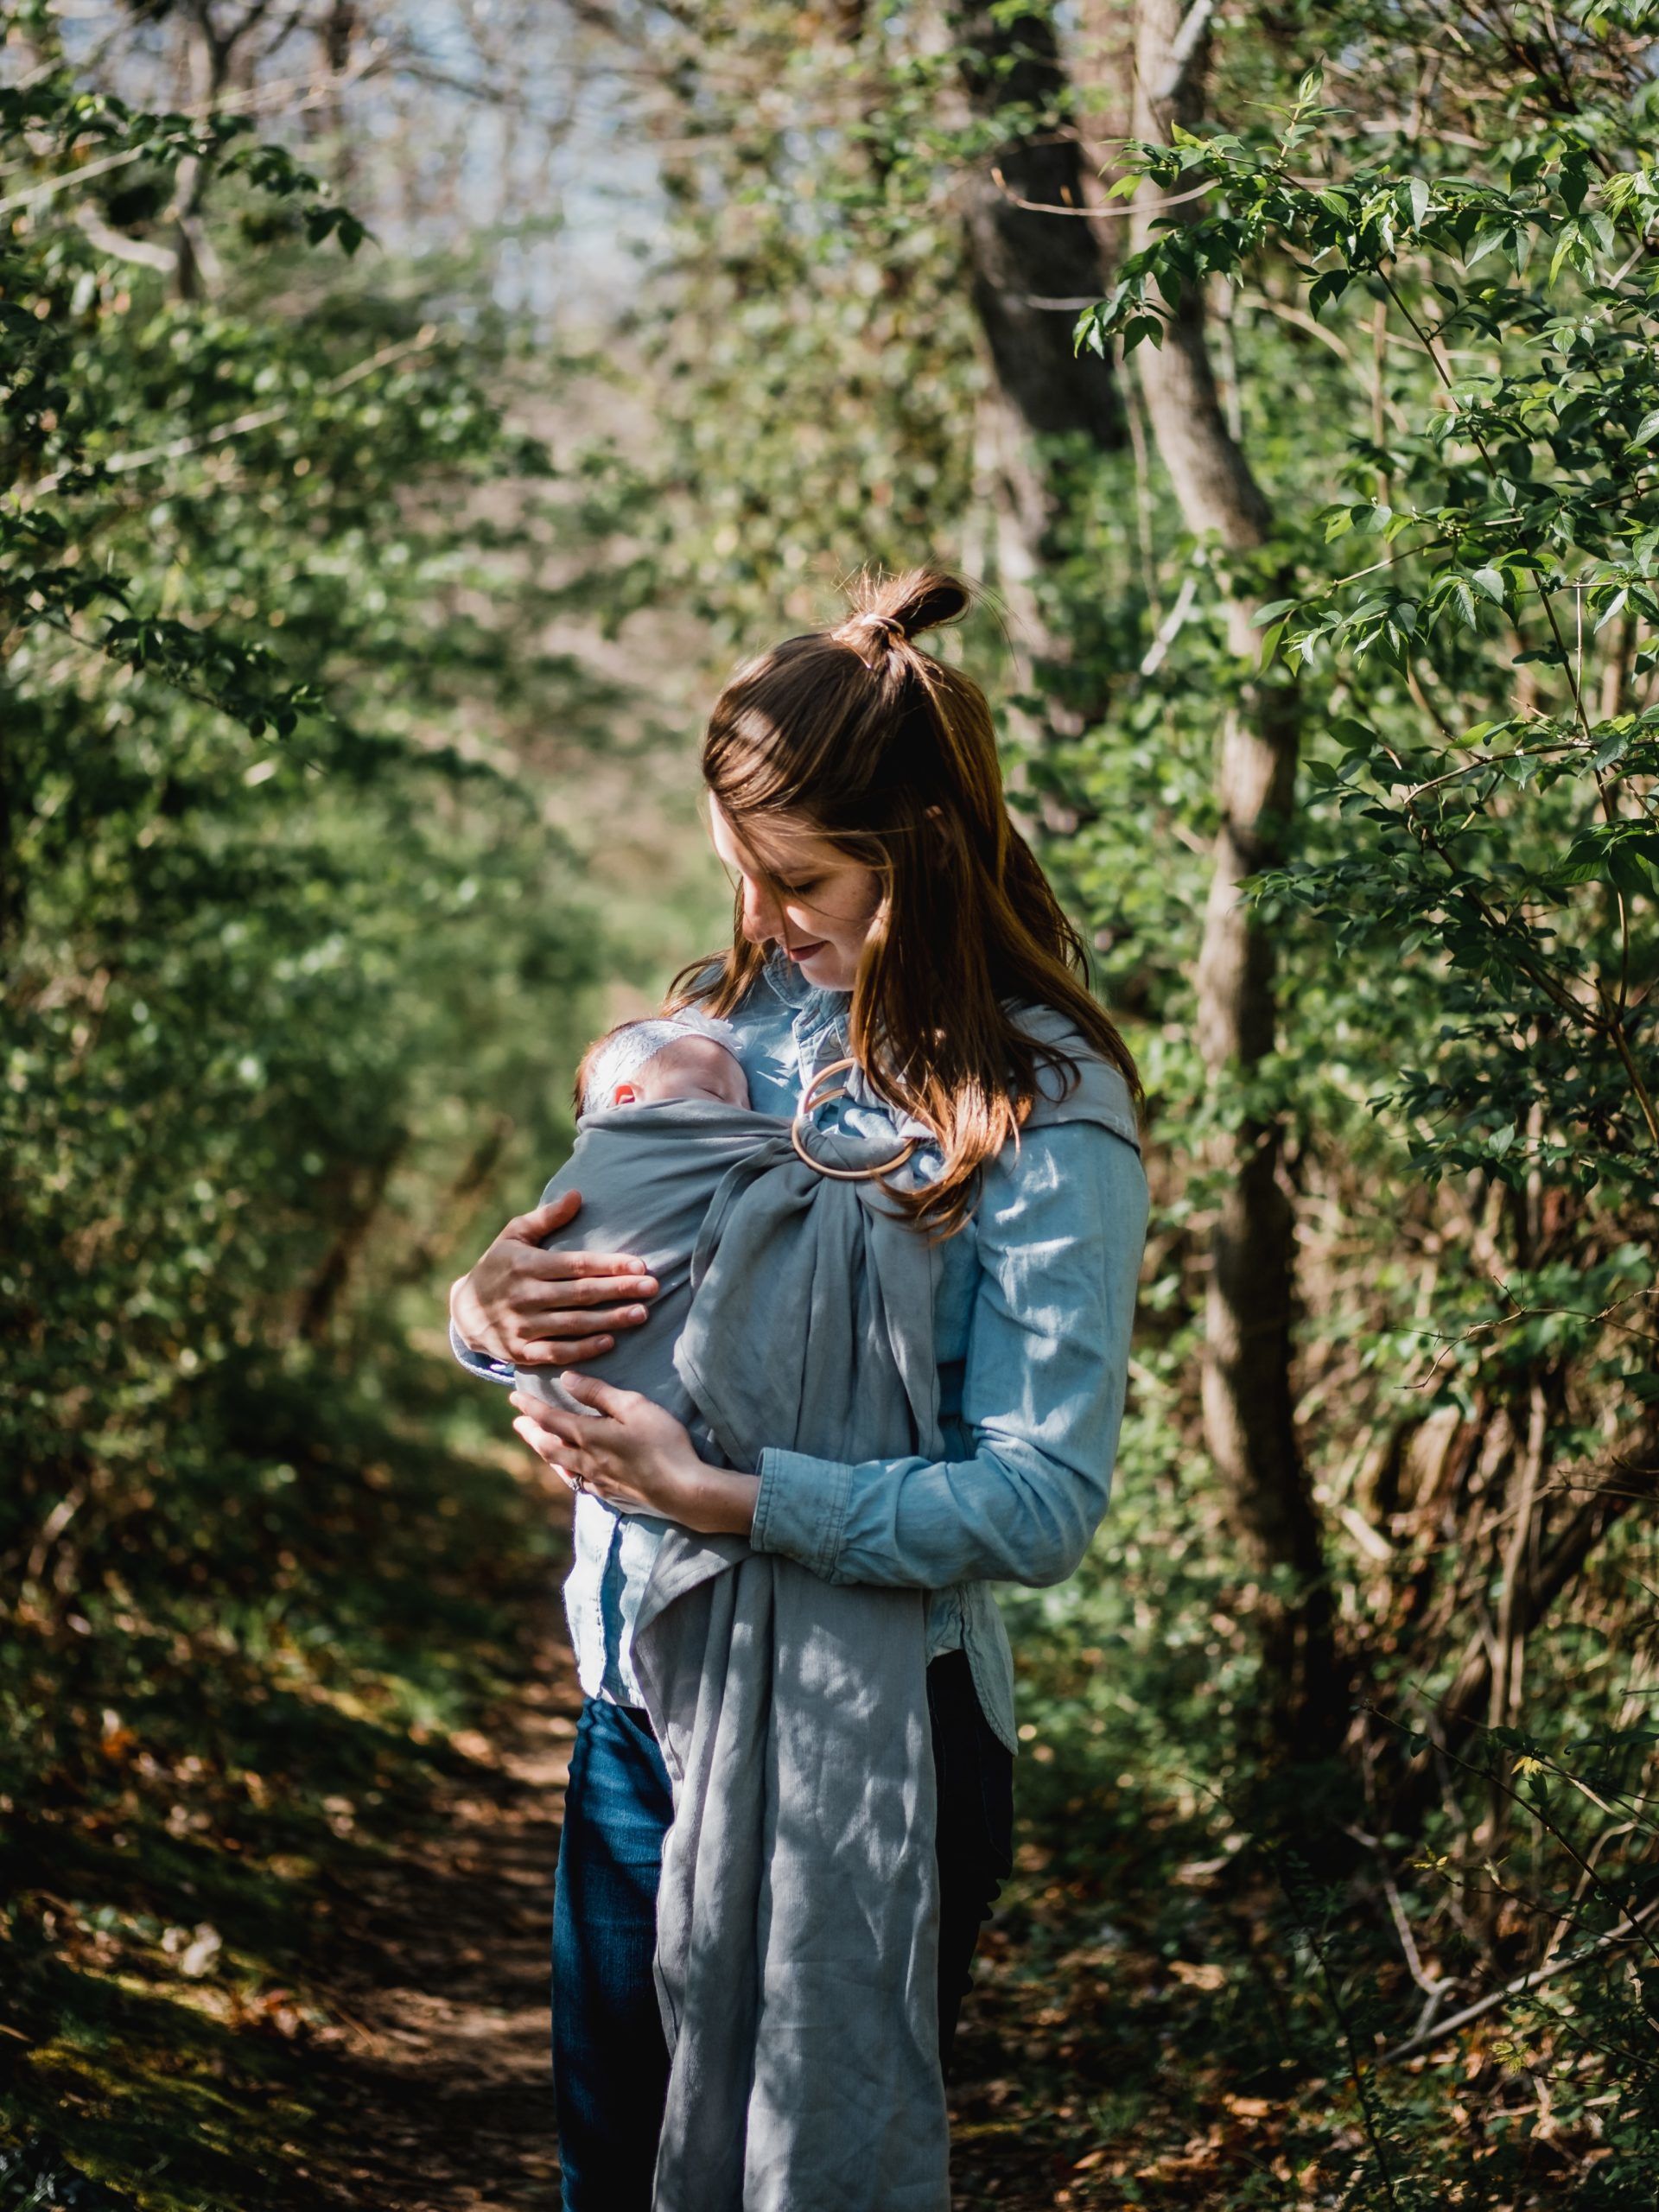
(293, 972)
(1515, 520)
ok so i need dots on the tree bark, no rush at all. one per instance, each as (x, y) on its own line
(1247, 1383)
(1030, 272)
(1021, 258)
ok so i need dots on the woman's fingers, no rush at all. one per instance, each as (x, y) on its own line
(547, 1446)
(569, 1428)
(556, 1335)
(562, 1293)
(538, 1424)
(542, 1319)
(564, 1321)
(624, 1267)
(565, 1353)
(603, 1397)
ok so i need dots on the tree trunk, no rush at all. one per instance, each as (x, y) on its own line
(1020, 258)
(1248, 1398)
(1031, 272)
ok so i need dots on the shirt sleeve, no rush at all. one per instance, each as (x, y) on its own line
(479, 1363)
(1061, 1226)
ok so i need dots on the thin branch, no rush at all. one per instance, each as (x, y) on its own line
(1172, 624)
(1089, 214)
(1519, 1987)
(49, 185)
(119, 247)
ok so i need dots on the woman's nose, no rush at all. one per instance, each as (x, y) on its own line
(761, 918)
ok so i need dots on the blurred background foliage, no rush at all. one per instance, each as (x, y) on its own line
(411, 412)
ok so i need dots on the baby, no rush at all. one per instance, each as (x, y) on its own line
(686, 1055)
(641, 1195)
(747, 1232)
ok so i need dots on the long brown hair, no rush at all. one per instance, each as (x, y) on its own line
(859, 734)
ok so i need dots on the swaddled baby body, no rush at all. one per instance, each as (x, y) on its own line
(725, 1209)
(680, 1060)
(793, 1309)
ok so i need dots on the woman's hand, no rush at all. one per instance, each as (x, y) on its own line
(534, 1308)
(636, 1457)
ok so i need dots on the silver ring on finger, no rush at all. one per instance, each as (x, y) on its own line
(578, 1483)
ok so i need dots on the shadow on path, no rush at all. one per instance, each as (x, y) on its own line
(445, 2093)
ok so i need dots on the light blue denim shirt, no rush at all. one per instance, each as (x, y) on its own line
(1034, 1301)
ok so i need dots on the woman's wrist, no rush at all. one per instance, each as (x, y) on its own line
(719, 1501)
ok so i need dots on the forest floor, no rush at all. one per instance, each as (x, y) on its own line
(432, 2046)
(271, 1945)
(275, 1883)
(366, 2026)
(425, 2034)
(447, 2103)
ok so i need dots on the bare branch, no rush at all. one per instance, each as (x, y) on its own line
(119, 247)
(1519, 1987)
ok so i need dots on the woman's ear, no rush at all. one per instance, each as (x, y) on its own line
(625, 1094)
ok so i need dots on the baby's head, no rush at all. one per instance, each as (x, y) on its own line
(684, 1055)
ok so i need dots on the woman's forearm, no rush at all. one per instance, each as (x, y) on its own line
(1059, 1246)
(925, 1524)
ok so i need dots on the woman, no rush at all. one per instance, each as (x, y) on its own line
(889, 919)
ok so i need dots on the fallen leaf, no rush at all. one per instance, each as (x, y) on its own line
(198, 1955)
(1198, 1977)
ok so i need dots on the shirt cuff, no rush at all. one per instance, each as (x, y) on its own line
(479, 1363)
(800, 1509)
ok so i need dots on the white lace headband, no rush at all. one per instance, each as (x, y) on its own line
(623, 1056)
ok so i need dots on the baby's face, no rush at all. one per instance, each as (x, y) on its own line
(696, 1067)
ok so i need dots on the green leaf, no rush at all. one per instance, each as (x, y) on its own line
(1330, 284)
(1629, 875)
(1271, 609)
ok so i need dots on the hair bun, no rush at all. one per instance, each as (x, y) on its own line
(898, 608)
(886, 625)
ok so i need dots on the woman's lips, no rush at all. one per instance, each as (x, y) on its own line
(806, 952)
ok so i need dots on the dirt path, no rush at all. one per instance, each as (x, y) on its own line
(444, 2049)
(446, 2099)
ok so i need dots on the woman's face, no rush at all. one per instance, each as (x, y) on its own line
(828, 901)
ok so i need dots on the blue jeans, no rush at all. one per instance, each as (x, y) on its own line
(610, 2063)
